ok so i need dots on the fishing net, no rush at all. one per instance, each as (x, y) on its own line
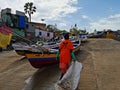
(71, 78)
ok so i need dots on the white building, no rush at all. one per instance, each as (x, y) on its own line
(42, 33)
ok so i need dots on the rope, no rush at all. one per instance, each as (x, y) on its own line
(39, 47)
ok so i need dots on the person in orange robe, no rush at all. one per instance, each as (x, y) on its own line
(65, 49)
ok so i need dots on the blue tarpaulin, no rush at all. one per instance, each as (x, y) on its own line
(22, 22)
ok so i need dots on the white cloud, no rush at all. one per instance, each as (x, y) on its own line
(14, 5)
(85, 17)
(47, 9)
(55, 9)
(112, 22)
(62, 24)
(114, 16)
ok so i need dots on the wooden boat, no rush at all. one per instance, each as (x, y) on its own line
(41, 59)
(21, 48)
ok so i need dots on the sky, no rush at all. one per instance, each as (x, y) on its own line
(87, 14)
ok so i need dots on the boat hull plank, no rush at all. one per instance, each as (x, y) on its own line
(41, 60)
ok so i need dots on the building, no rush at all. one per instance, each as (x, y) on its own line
(41, 26)
(22, 28)
(17, 22)
(42, 34)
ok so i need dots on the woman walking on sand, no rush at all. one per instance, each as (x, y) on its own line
(65, 53)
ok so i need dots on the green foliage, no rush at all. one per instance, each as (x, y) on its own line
(58, 31)
(81, 31)
(61, 31)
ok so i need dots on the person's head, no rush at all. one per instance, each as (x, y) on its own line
(66, 36)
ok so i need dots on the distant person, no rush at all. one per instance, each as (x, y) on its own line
(64, 54)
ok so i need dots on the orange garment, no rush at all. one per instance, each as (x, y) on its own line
(65, 47)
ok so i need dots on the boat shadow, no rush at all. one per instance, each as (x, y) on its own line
(43, 79)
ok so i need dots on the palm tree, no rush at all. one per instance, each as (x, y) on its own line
(29, 9)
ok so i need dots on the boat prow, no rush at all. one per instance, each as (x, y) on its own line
(41, 59)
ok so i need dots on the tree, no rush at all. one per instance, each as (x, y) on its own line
(80, 31)
(51, 28)
(29, 9)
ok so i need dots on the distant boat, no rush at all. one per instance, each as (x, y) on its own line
(41, 59)
(83, 37)
(99, 35)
